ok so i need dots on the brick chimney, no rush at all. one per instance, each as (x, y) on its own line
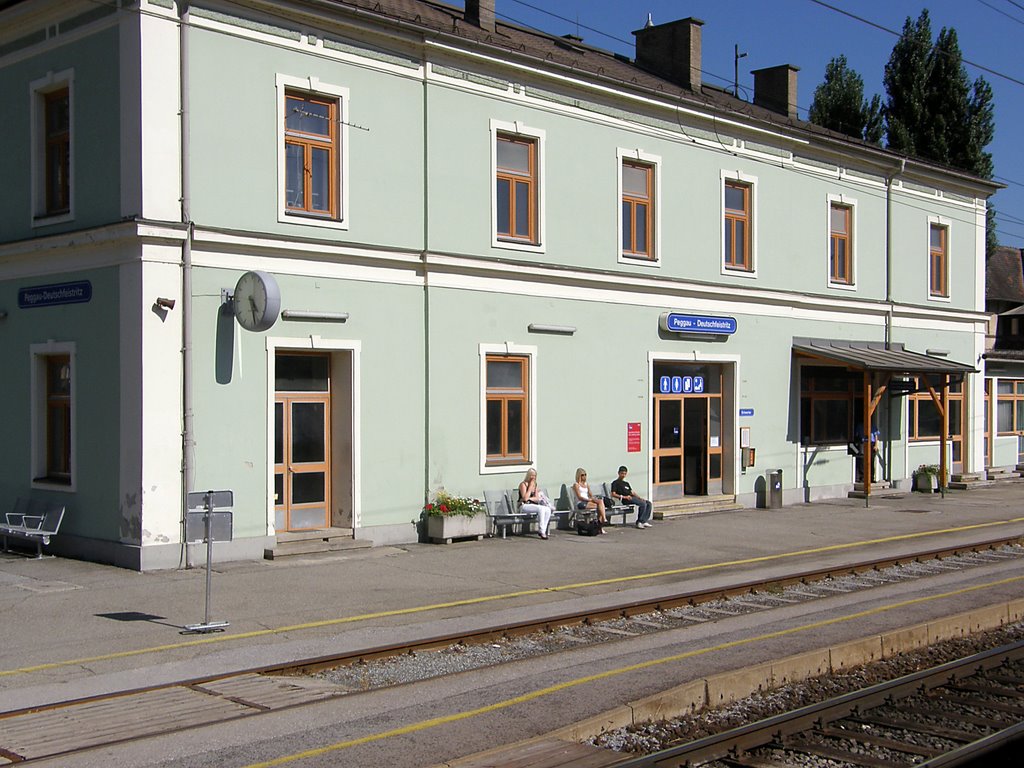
(671, 51)
(480, 13)
(775, 89)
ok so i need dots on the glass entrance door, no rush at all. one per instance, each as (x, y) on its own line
(302, 440)
(687, 453)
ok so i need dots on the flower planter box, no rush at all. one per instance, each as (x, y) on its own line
(442, 529)
(926, 483)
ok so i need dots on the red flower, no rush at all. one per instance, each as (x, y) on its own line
(444, 508)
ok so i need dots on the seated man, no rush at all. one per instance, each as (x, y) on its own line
(622, 491)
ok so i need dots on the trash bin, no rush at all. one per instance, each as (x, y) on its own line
(775, 489)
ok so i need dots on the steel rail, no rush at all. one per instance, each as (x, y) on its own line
(548, 623)
(734, 743)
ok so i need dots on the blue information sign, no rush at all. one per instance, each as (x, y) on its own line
(673, 321)
(52, 295)
(746, 411)
(698, 385)
(677, 385)
(665, 385)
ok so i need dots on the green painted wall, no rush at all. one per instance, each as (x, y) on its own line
(95, 141)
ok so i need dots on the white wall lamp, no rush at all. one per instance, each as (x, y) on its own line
(560, 330)
(319, 317)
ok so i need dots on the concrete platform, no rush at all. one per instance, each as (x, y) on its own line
(72, 628)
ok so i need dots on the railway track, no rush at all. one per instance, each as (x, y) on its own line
(949, 715)
(62, 728)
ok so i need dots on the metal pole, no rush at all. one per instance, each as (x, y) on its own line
(209, 553)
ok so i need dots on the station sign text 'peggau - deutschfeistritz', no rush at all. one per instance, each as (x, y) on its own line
(51, 295)
(680, 323)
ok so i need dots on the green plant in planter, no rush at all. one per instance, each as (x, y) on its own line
(928, 470)
(448, 504)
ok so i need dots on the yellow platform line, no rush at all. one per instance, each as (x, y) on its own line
(223, 638)
(552, 689)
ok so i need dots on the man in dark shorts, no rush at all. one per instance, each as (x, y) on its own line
(622, 491)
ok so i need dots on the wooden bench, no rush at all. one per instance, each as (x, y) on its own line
(32, 520)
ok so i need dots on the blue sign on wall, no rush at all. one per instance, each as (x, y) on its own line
(673, 321)
(746, 411)
(698, 385)
(665, 385)
(52, 295)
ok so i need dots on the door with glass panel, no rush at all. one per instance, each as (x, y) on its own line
(687, 452)
(302, 440)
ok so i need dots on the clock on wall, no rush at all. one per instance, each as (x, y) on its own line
(257, 301)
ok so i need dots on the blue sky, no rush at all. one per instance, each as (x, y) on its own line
(806, 34)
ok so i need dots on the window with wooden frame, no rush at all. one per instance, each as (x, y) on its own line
(311, 154)
(638, 209)
(923, 419)
(516, 188)
(52, 437)
(831, 405)
(57, 151)
(507, 408)
(840, 238)
(938, 260)
(1010, 407)
(58, 418)
(737, 215)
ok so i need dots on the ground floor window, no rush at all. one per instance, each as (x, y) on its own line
(507, 394)
(831, 405)
(923, 419)
(53, 414)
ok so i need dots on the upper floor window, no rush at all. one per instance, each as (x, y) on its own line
(312, 152)
(311, 149)
(638, 187)
(517, 207)
(516, 188)
(840, 244)
(938, 260)
(52, 148)
(737, 211)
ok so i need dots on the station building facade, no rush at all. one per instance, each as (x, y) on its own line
(335, 255)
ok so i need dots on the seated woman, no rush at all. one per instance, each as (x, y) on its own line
(532, 500)
(584, 500)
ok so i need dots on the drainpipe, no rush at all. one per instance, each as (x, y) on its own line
(889, 306)
(187, 437)
(426, 280)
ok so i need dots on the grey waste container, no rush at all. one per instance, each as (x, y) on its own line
(775, 489)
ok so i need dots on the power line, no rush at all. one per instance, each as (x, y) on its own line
(1010, 16)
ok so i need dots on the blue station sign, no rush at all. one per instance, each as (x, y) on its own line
(51, 295)
(680, 323)
(746, 411)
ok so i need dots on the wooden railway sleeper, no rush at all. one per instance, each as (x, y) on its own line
(973, 702)
(960, 717)
(882, 742)
(829, 753)
(912, 725)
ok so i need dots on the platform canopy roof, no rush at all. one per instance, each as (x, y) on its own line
(875, 356)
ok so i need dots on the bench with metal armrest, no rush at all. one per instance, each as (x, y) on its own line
(32, 520)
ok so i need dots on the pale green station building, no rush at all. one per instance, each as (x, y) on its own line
(335, 255)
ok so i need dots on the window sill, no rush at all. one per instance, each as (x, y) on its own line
(518, 245)
(53, 484)
(639, 260)
(49, 219)
(738, 271)
(312, 220)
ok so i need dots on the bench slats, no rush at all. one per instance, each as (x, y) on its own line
(32, 520)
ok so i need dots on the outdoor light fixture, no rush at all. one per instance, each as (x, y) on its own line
(165, 303)
(565, 330)
(322, 317)
(938, 352)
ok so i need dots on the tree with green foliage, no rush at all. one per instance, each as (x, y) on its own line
(840, 106)
(933, 111)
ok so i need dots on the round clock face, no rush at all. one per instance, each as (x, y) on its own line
(257, 301)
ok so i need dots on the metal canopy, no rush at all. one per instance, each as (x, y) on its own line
(873, 356)
(879, 364)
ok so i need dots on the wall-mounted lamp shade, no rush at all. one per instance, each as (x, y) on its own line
(938, 352)
(565, 330)
(320, 317)
(165, 303)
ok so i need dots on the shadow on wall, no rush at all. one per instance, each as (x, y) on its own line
(224, 349)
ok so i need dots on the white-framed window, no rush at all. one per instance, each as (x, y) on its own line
(739, 224)
(938, 258)
(312, 152)
(517, 186)
(53, 415)
(508, 408)
(842, 242)
(51, 107)
(639, 195)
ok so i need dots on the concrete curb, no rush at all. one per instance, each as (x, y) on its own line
(716, 690)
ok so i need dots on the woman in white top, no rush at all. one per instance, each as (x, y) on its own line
(532, 500)
(583, 498)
